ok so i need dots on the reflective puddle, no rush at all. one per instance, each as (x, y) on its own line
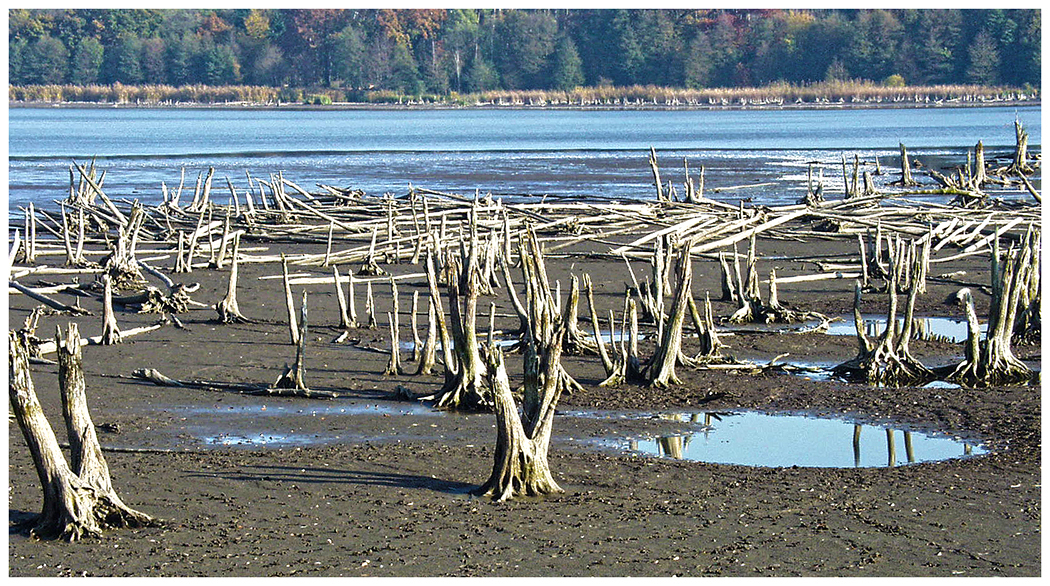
(777, 440)
(390, 408)
(258, 439)
(944, 329)
(745, 438)
(273, 423)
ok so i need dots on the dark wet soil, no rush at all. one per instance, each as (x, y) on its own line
(389, 497)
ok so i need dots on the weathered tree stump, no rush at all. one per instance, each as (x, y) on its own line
(599, 343)
(393, 366)
(576, 341)
(520, 464)
(121, 264)
(110, 331)
(661, 369)
(293, 376)
(344, 315)
(749, 297)
(227, 308)
(428, 355)
(710, 346)
(1019, 166)
(655, 168)
(1028, 325)
(371, 266)
(992, 361)
(888, 360)
(905, 178)
(465, 385)
(79, 501)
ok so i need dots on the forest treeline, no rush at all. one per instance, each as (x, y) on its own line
(442, 52)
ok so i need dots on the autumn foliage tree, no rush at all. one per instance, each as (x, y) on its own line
(439, 51)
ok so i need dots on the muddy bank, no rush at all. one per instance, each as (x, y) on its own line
(390, 495)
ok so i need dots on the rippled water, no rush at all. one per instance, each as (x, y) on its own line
(562, 153)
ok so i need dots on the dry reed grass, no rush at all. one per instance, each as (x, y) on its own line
(777, 94)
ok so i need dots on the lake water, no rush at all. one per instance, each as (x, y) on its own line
(557, 153)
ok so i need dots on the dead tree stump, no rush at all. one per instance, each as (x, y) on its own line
(393, 366)
(905, 178)
(520, 466)
(661, 370)
(110, 331)
(576, 341)
(1019, 167)
(428, 355)
(992, 361)
(79, 501)
(293, 376)
(655, 168)
(710, 346)
(749, 297)
(465, 385)
(121, 264)
(599, 343)
(293, 328)
(228, 310)
(344, 315)
(888, 360)
(1028, 326)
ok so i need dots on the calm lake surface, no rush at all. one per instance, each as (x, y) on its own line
(510, 153)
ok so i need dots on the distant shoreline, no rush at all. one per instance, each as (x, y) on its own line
(839, 105)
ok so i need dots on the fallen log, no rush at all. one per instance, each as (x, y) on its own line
(47, 300)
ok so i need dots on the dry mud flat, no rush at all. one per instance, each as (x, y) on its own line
(261, 486)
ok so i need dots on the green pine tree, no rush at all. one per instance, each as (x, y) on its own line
(87, 61)
(984, 60)
(481, 76)
(568, 68)
(404, 73)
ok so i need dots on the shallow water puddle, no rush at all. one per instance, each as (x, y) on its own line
(744, 438)
(258, 439)
(782, 440)
(947, 329)
(225, 425)
(325, 410)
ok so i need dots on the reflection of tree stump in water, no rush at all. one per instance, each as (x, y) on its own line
(673, 446)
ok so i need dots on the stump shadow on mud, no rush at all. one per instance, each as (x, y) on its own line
(17, 520)
(271, 473)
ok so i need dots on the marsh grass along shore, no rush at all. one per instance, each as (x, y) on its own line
(779, 95)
